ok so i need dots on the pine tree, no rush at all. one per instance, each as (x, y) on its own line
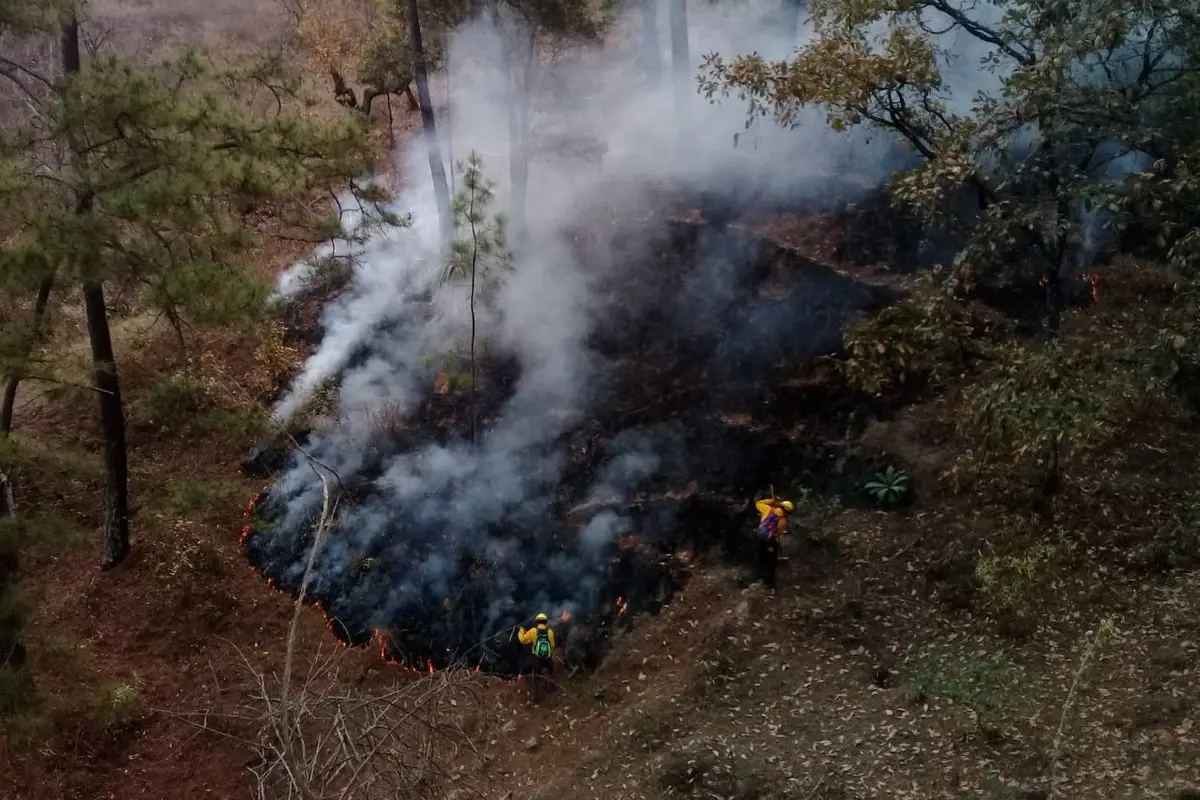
(162, 166)
(478, 255)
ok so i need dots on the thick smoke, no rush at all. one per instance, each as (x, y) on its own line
(439, 511)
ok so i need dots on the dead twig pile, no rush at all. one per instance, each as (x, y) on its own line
(320, 735)
(327, 738)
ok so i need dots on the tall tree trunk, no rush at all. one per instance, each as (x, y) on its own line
(651, 59)
(14, 380)
(437, 169)
(518, 171)
(474, 326)
(112, 421)
(520, 57)
(789, 16)
(104, 367)
(681, 64)
(12, 650)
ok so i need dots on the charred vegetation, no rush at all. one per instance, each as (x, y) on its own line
(687, 393)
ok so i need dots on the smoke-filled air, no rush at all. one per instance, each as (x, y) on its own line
(436, 528)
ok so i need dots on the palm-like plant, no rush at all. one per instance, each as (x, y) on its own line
(888, 487)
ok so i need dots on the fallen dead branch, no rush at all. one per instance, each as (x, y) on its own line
(328, 737)
(337, 740)
(1095, 642)
(321, 735)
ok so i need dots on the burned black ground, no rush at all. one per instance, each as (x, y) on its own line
(697, 331)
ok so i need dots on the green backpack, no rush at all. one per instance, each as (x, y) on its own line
(541, 646)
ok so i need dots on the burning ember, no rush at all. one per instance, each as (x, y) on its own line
(1090, 278)
(248, 514)
(565, 616)
(622, 606)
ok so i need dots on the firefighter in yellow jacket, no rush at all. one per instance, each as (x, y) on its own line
(541, 639)
(772, 523)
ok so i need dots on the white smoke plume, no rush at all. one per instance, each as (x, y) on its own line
(439, 507)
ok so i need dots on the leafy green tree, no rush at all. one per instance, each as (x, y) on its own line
(1046, 405)
(163, 167)
(478, 256)
(923, 341)
(1078, 87)
(1082, 93)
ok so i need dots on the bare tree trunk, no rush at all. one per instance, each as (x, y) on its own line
(391, 122)
(474, 328)
(520, 55)
(681, 64)
(651, 59)
(112, 422)
(436, 169)
(790, 16)
(14, 380)
(104, 369)
(12, 650)
(518, 170)
(449, 119)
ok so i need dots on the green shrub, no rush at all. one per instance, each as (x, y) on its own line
(189, 497)
(1010, 583)
(169, 397)
(974, 679)
(115, 703)
(925, 339)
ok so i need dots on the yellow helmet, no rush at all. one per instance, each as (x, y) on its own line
(788, 506)
(541, 618)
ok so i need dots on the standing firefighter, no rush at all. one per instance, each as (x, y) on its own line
(772, 524)
(541, 637)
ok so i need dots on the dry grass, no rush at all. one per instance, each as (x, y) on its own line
(150, 29)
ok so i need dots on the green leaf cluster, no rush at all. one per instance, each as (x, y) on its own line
(1043, 402)
(161, 179)
(924, 340)
(1080, 87)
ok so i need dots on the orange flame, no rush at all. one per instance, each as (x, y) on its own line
(379, 637)
(247, 513)
(1042, 281)
(622, 605)
(565, 616)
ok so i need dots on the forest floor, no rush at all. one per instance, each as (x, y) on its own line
(890, 662)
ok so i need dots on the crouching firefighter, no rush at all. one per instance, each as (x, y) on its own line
(541, 637)
(772, 524)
